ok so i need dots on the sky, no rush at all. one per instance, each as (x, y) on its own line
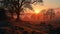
(52, 3)
(37, 7)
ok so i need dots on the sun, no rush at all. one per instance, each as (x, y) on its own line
(36, 11)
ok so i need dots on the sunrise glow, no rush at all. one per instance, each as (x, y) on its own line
(37, 11)
(37, 8)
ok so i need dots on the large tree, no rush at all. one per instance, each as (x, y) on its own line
(26, 4)
(18, 5)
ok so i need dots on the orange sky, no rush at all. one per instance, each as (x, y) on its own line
(37, 15)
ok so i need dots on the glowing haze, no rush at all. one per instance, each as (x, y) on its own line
(46, 4)
(35, 14)
(37, 8)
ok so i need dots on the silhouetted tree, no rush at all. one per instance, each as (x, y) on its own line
(51, 13)
(17, 5)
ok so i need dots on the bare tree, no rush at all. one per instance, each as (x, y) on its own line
(51, 13)
(26, 4)
(20, 4)
(17, 5)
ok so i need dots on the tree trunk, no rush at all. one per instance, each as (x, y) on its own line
(18, 16)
